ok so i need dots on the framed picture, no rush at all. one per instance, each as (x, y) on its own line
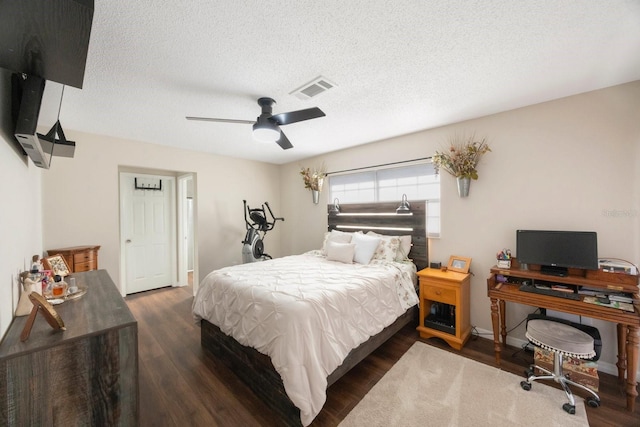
(57, 265)
(41, 305)
(459, 264)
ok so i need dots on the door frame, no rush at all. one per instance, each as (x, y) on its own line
(183, 233)
(171, 180)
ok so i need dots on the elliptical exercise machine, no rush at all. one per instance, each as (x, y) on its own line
(252, 245)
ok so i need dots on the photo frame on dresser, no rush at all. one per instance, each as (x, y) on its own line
(459, 263)
(57, 265)
(40, 304)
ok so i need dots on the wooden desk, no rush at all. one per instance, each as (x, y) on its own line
(85, 375)
(628, 324)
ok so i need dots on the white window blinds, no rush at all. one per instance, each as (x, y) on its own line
(417, 181)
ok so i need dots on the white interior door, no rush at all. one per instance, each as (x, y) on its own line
(148, 232)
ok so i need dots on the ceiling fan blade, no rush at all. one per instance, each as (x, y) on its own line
(297, 116)
(211, 119)
(284, 141)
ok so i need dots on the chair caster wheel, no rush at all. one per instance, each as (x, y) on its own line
(593, 402)
(528, 373)
(525, 385)
(569, 408)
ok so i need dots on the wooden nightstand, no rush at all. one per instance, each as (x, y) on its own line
(78, 258)
(444, 306)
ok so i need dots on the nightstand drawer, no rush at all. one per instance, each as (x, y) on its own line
(447, 296)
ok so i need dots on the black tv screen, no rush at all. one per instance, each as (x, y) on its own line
(556, 251)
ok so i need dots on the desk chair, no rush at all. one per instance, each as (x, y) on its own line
(563, 340)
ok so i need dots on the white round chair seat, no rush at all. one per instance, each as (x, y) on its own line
(561, 338)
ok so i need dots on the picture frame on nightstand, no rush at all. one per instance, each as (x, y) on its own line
(459, 264)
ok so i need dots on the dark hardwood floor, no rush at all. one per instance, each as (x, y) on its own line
(181, 385)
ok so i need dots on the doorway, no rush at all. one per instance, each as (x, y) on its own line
(186, 231)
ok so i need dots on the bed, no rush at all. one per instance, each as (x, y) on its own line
(292, 326)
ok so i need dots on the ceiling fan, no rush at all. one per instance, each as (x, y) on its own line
(267, 126)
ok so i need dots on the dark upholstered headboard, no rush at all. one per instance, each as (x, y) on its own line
(382, 218)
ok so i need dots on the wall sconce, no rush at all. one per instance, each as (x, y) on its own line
(335, 209)
(404, 207)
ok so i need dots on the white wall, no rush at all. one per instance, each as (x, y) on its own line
(565, 164)
(635, 196)
(21, 213)
(82, 201)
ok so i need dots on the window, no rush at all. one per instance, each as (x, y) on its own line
(417, 181)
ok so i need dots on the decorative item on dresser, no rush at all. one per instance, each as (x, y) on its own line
(79, 258)
(57, 265)
(85, 375)
(40, 304)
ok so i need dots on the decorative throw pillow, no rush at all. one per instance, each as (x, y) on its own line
(388, 248)
(365, 247)
(402, 251)
(335, 236)
(405, 248)
(341, 252)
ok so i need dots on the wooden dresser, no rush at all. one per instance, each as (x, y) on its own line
(78, 258)
(84, 375)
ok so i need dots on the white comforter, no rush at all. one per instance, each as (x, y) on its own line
(306, 313)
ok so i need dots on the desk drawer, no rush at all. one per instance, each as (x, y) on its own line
(447, 296)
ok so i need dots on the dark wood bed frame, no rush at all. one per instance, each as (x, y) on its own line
(256, 370)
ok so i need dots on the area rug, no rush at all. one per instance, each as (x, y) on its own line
(432, 387)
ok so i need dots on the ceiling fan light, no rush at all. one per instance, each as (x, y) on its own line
(265, 131)
(266, 134)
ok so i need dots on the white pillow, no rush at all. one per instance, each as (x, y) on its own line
(335, 236)
(342, 252)
(365, 247)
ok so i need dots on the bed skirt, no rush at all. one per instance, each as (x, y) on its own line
(257, 372)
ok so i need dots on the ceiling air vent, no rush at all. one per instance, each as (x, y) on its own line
(312, 89)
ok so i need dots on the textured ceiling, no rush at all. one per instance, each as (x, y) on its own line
(399, 66)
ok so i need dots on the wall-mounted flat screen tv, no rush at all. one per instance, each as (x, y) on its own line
(556, 251)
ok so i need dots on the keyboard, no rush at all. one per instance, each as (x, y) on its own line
(550, 292)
